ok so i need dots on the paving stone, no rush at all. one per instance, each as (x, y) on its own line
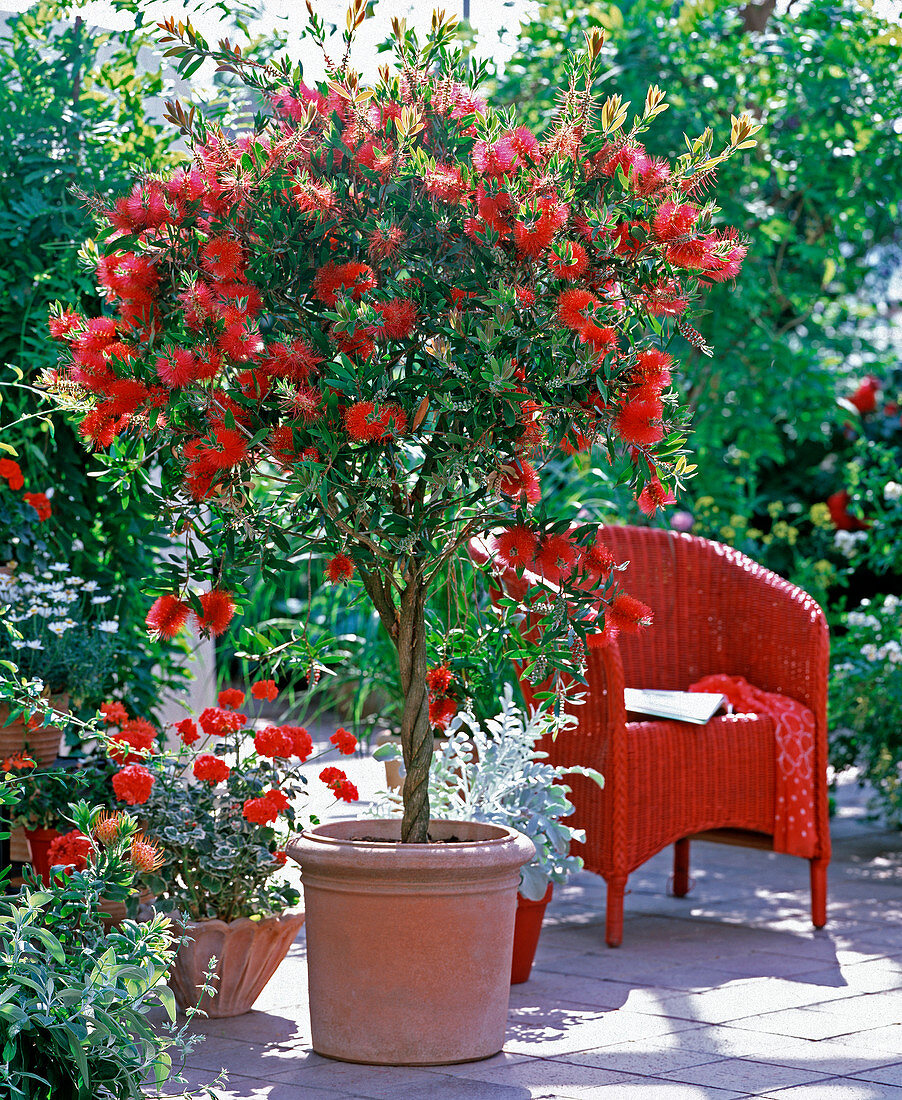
(744, 1075)
(884, 1075)
(544, 1077)
(563, 1029)
(834, 1088)
(646, 1057)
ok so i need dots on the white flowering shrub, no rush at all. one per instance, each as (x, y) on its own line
(866, 699)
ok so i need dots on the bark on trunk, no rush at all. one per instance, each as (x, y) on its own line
(416, 730)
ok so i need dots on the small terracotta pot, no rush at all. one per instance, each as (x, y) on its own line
(527, 926)
(19, 851)
(39, 841)
(394, 781)
(435, 989)
(247, 951)
(43, 743)
(113, 913)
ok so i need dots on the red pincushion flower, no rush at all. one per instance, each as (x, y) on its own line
(232, 698)
(516, 546)
(71, 850)
(167, 616)
(218, 610)
(12, 472)
(218, 722)
(114, 714)
(265, 689)
(187, 731)
(211, 769)
(628, 614)
(40, 503)
(344, 740)
(273, 741)
(340, 569)
(441, 711)
(133, 784)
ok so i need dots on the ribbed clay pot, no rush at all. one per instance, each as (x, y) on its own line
(247, 951)
(43, 743)
(433, 988)
(527, 927)
(39, 841)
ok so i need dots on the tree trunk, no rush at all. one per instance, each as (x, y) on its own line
(416, 730)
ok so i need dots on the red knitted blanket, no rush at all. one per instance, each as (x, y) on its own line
(794, 827)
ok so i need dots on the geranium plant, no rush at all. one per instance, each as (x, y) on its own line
(385, 306)
(222, 805)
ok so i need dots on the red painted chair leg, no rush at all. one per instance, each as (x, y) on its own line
(819, 892)
(681, 868)
(614, 922)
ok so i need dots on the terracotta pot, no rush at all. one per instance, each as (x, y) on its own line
(113, 913)
(247, 951)
(39, 841)
(42, 743)
(394, 781)
(18, 846)
(527, 926)
(435, 990)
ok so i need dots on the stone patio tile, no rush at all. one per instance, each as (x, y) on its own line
(886, 1040)
(833, 1088)
(645, 1057)
(544, 1077)
(865, 1011)
(547, 987)
(441, 1086)
(564, 1028)
(885, 1075)
(802, 1023)
(656, 1088)
(287, 1024)
(326, 1073)
(248, 1059)
(736, 1000)
(744, 1075)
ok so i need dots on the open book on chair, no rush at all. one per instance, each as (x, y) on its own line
(697, 707)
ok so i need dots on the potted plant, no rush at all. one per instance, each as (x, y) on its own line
(222, 806)
(493, 771)
(383, 307)
(76, 998)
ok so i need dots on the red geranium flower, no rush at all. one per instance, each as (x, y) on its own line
(260, 811)
(344, 740)
(12, 472)
(187, 731)
(273, 741)
(218, 722)
(136, 734)
(332, 775)
(265, 689)
(230, 697)
(301, 741)
(277, 798)
(71, 850)
(346, 791)
(211, 769)
(114, 714)
(133, 784)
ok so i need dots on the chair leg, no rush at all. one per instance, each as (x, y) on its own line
(614, 917)
(819, 892)
(681, 868)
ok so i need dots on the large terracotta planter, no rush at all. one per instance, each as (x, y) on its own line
(433, 987)
(527, 926)
(39, 841)
(247, 952)
(42, 744)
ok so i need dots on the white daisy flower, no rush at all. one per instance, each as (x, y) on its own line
(18, 643)
(60, 567)
(100, 600)
(109, 626)
(90, 586)
(33, 644)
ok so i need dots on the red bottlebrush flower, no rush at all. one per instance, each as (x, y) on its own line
(632, 160)
(167, 616)
(346, 791)
(516, 546)
(445, 183)
(597, 560)
(439, 680)
(652, 178)
(64, 326)
(218, 722)
(240, 341)
(133, 784)
(301, 741)
(441, 711)
(693, 255)
(344, 740)
(630, 237)
(399, 316)
(496, 159)
(385, 244)
(273, 741)
(627, 614)
(232, 698)
(653, 497)
(218, 609)
(639, 422)
(304, 403)
(187, 731)
(40, 503)
(843, 520)
(260, 811)
(71, 850)
(211, 769)
(340, 569)
(523, 479)
(360, 346)
(222, 257)
(865, 397)
(264, 689)
(571, 307)
(365, 422)
(352, 279)
(525, 295)
(602, 639)
(178, 368)
(556, 558)
(673, 220)
(568, 260)
(12, 472)
(653, 367)
(114, 714)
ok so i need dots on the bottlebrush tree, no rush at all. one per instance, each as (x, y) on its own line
(368, 321)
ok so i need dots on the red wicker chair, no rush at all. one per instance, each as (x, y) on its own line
(666, 782)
